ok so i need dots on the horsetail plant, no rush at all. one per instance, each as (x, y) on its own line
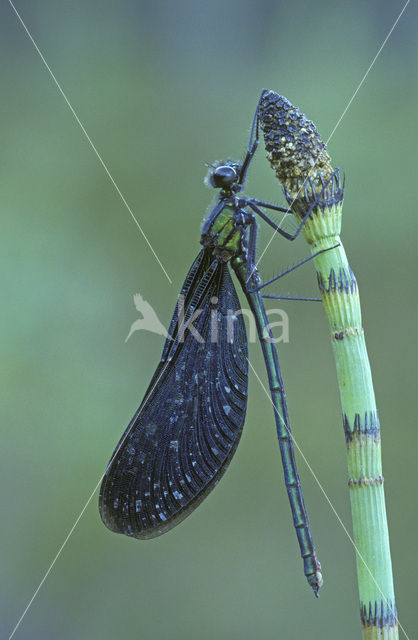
(303, 166)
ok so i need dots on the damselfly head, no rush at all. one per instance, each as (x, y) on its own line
(223, 175)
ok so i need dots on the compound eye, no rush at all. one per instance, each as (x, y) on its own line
(224, 176)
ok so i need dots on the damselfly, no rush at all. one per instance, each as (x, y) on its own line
(186, 430)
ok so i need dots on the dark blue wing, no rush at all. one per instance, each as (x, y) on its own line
(185, 432)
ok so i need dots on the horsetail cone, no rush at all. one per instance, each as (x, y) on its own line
(293, 144)
(303, 166)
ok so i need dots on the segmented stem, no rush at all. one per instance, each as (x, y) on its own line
(339, 291)
(302, 164)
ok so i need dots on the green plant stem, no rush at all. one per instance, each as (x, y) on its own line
(302, 164)
(341, 299)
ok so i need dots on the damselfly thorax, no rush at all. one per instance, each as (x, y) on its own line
(226, 234)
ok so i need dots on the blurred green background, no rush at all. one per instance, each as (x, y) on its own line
(162, 87)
